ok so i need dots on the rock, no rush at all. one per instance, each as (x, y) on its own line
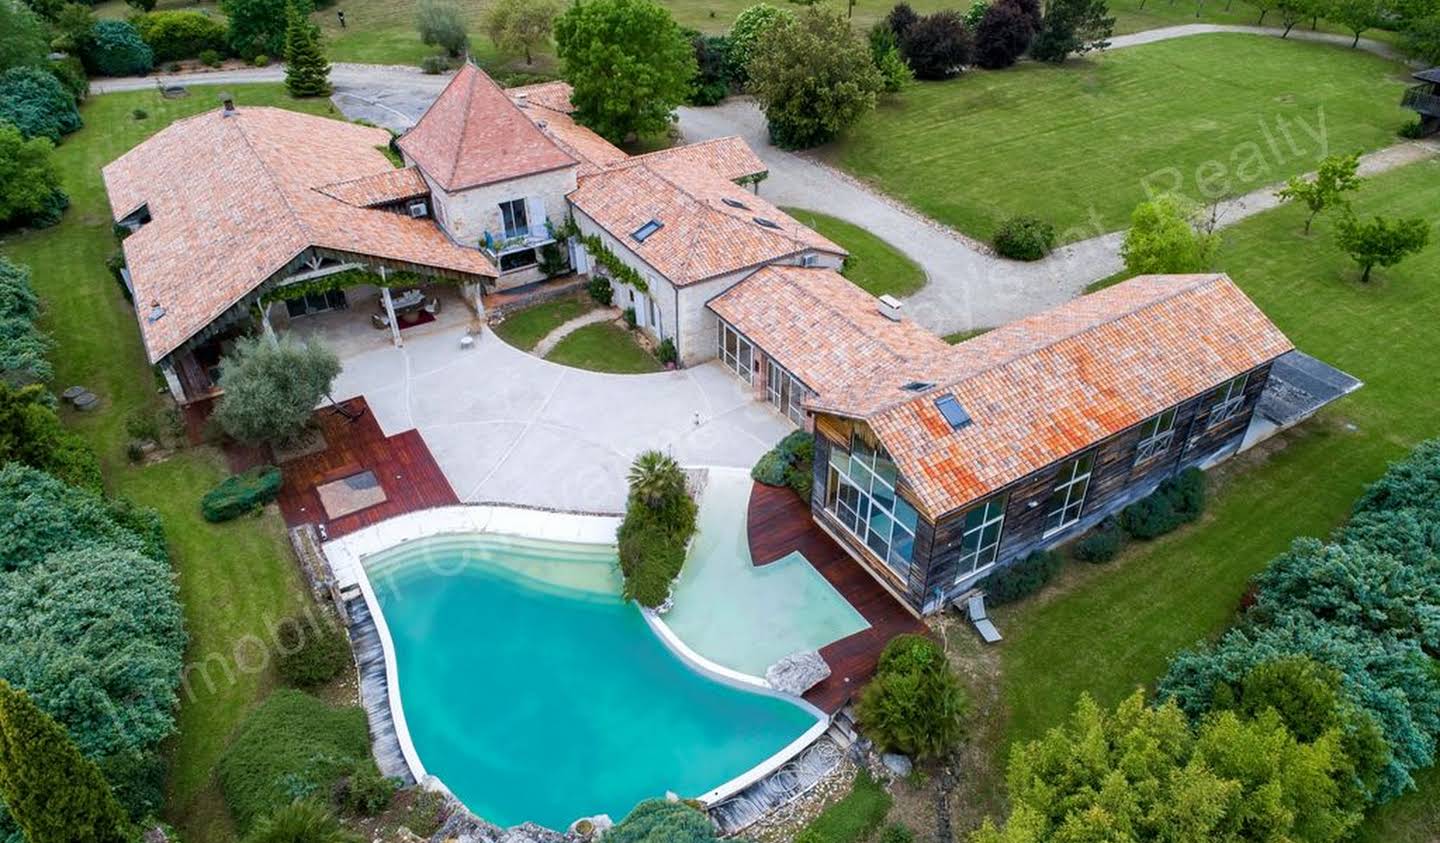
(85, 401)
(155, 835)
(70, 394)
(897, 764)
(589, 827)
(798, 672)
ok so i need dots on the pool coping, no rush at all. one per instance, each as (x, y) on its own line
(345, 556)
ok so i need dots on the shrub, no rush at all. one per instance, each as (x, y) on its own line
(937, 46)
(177, 34)
(35, 102)
(140, 114)
(365, 792)
(261, 60)
(292, 747)
(1412, 130)
(894, 72)
(712, 76)
(914, 703)
(116, 49)
(1023, 237)
(601, 290)
(666, 352)
(630, 317)
(311, 652)
(22, 345)
(241, 493)
(31, 434)
(750, 29)
(1100, 544)
(29, 182)
(301, 821)
(797, 59)
(790, 463)
(1021, 578)
(771, 469)
(258, 26)
(1002, 35)
(210, 58)
(662, 821)
(854, 818)
(434, 65)
(897, 833)
(1178, 500)
(71, 73)
(659, 521)
(1186, 491)
(442, 24)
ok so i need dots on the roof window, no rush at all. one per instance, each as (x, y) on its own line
(917, 386)
(764, 223)
(955, 414)
(734, 203)
(644, 231)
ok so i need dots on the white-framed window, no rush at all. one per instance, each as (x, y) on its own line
(980, 536)
(1068, 498)
(737, 353)
(1156, 434)
(785, 391)
(860, 493)
(1226, 400)
(514, 219)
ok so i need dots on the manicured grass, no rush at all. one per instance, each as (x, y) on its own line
(235, 579)
(1106, 629)
(604, 347)
(1206, 115)
(874, 265)
(524, 328)
(855, 817)
(961, 336)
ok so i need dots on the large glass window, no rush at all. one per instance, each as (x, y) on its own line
(785, 392)
(512, 217)
(1156, 434)
(860, 492)
(980, 539)
(1226, 400)
(737, 353)
(1068, 498)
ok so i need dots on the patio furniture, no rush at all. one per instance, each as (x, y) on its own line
(404, 304)
(975, 609)
(467, 342)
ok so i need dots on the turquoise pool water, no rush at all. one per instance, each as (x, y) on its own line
(743, 617)
(534, 693)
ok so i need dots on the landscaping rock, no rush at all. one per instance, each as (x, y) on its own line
(588, 827)
(70, 394)
(797, 672)
(897, 764)
(86, 401)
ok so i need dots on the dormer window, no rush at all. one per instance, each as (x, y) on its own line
(640, 234)
(949, 407)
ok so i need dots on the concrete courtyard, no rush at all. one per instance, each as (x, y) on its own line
(508, 427)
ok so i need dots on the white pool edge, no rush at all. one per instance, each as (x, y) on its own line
(345, 556)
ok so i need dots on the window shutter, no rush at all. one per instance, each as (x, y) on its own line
(535, 211)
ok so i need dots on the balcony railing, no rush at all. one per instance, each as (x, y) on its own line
(1422, 98)
(515, 240)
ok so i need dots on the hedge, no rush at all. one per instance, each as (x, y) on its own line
(1178, 500)
(1022, 578)
(1102, 543)
(1024, 238)
(174, 35)
(241, 493)
(311, 652)
(292, 747)
(116, 49)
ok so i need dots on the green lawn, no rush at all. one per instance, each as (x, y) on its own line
(235, 579)
(604, 347)
(1106, 629)
(1075, 144)
(524, 328)
(874, 265)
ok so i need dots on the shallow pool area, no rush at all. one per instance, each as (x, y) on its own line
(534, 693)
(745, 617)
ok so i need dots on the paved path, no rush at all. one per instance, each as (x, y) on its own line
(506, 426)
(548, 342)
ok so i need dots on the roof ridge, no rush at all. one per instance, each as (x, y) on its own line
(275, 182)
(772, 232)
(464, 123)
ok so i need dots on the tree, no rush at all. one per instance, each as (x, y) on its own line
(628, 64)
(74, 27)
(937, 46)
(1293, 12)
(895, 74)
(1163, 239)
(29, 182)
(751, 27)
(655, 478)
(25, 42)
(307, 73)
(813, 77)
(302, 821)
(914, 704)
(272, 387)
(22, 346)
(1381, 241)
(142, 5)
(54, 794)
(258, 27)
(661, 821)
(1072, 27)
(519, 25)
(442, 24)
(1265, 7)
(1422, 39)
(114, 48)
(1003, 35)
(1336, 176)
(35, 102)
(1357, 16)
(712, 62)
(900, 19)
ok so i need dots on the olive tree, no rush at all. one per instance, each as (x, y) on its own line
(442, 24)
(271, 387)
(518, 26)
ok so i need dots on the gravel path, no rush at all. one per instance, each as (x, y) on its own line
(548, 342)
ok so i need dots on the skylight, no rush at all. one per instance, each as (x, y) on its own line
(955, 414)
(734, 203)
(917, 386)
(761, 221)
(646, 230)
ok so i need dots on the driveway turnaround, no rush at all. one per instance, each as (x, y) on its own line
(508, 427)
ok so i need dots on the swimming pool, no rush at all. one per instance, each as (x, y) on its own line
(534, 693)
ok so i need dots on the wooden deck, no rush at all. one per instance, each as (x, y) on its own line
(778, 523)
(402, 464)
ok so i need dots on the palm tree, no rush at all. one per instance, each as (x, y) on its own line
(301, 822)
(656, 478)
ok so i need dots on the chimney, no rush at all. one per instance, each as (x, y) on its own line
(227, 105)
(522, 99)
(890, 307)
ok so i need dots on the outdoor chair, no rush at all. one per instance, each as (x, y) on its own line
(975, 608)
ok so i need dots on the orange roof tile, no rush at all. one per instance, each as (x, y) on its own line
(702, 235)
(548, 107)
(379, 189)
(473, 135)
(820, 327)
(730, 156)
(1044, 387)
(552, 95)
(233, 200)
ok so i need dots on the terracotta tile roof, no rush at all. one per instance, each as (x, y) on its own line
(548, 107)
(379, 189)
(822, 328)
(1047, 386)
(731, 157)
(552, 95)
(701, 236)
(232, 201)
(473, 135)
